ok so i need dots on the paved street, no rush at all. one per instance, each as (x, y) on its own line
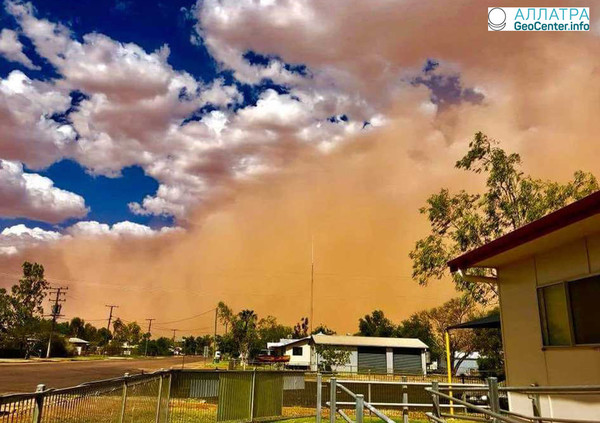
(24, 377)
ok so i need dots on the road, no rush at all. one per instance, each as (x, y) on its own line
(24, 377)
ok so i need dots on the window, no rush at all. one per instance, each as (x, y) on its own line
(570, 312)
(297, 351)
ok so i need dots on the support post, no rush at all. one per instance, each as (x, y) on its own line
(252, 394)
(449, 362)
(404, 400)
(124, 399)
(39, 404)
(319, 396)
(494, 399)
(535, 403)
(360, 408)
(159, 397)
(332, 404)
(168, 395)
(369, 398)
(435, 399)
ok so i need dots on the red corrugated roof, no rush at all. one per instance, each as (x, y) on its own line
(575, 212)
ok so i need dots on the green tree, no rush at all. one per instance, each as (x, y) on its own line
(244, 333)
(225, 315)
(453, 312)
(301, 328)
(21, 311)
(463, 221)
(269, 330)
(419, 326)
(324, 329)
(77, 327)
(330, 357)
(488, 342)
(376, 324)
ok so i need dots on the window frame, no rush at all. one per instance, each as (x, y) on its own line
(543, 322)
(294, 351)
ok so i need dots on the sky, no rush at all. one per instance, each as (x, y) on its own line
(167, 155)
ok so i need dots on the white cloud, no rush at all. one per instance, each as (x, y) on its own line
(137, 105)
(12, 49)
(14, 238)
(33, 196)
(92, 228)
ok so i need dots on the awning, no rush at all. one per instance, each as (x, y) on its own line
(488, 322)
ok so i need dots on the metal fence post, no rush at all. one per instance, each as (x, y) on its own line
(435, 387)
(169, 383)
(319, 396)
(492, 383)
(124, 398)
(404, 400)
(360, 408)
(332, 405)
(535, 403)
(39, 404)
(252, 393)
(159, 397)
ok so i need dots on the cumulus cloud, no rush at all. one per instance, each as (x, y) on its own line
(27, 131)
(138, 111)
(93, 229)
(33, 196)
(17, 238)
(12, 49)
(14, 238)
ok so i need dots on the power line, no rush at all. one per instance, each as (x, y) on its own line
(187, 318)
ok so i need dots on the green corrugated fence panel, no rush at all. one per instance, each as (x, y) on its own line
(268, 395)
(234, 396)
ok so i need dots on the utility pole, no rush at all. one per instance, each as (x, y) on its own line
(215, 337)
(56, 307)
(174, 330)
(110, 314)
(148, 338)
(312, 281)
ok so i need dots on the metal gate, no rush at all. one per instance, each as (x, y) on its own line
(245, 396)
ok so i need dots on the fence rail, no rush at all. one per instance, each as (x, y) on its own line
(181, 396)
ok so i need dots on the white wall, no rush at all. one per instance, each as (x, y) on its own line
(527, 360)
(299, 360)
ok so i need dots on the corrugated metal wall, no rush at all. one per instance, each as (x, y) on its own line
(372, 359)
(407, 360)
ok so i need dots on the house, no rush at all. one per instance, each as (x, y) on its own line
(366, 354)
(80, 345)
(548, 277)
(298, 350)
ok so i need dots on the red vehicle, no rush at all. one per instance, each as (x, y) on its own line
(265, 358)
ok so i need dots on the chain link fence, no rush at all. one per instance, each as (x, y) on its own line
(181, 396)
(170, 396)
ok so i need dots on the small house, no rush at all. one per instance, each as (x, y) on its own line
(80, 345)
(365, 354)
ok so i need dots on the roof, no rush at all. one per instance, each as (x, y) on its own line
(492, 321)
(283, 342)
(78, 341)
(368, 341)
(575, 212)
